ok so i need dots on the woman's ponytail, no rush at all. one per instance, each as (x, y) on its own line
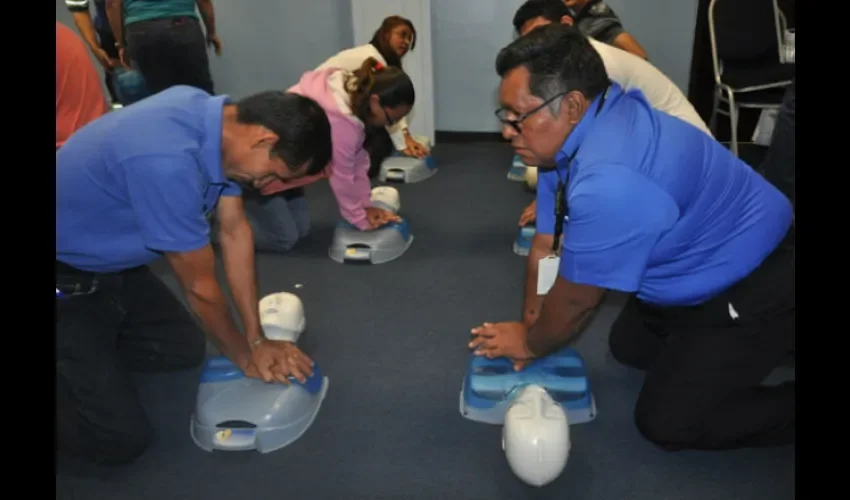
(359, 84)
(391, 84)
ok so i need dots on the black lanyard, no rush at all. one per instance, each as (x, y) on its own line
(561, 206)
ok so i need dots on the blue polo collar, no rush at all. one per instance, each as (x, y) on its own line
(211, 144)
(576, 137)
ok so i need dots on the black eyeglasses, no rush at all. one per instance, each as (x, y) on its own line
(390, 121)
(501, 113)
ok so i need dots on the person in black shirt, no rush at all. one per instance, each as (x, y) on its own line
(594, 18)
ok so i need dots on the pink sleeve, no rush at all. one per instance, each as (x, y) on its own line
(349, 179)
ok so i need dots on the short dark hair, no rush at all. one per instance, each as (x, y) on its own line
(551, 10)
(559, 59)
(301, 125)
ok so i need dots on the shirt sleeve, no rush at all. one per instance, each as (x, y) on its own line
(616, 217)
(77, 5)
(349, 182)
(601, 23)
(167, 196)
(547, 187)
(231, 189)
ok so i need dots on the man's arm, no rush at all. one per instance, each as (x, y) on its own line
(82, 19)
(616, 219)
(115, 16)
(195, 271)
(541, 247)
(567, 310)
(627, 42)
(541, 244)
(237, 246)
(599, 21)
(205, 7)
(167, 196)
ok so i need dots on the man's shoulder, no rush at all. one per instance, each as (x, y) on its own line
(182, 92)
(598, 10)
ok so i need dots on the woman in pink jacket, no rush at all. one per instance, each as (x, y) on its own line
(372, 96)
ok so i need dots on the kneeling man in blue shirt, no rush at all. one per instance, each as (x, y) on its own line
(649, 205)
(142, 183)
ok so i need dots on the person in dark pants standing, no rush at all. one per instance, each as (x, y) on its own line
(779, 165)
(651, 206)
(98, 36)
(165, 41)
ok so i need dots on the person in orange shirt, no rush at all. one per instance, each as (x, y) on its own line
(79, 94)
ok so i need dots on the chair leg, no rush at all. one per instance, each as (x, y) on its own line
(712, 122)
(733, 123)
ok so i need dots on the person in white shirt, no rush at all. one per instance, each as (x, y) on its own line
(391, 42)
(624, 68)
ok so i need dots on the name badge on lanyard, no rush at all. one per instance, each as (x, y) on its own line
(547, 269)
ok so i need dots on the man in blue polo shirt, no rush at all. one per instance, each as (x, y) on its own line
(139, 184)
(650, 205)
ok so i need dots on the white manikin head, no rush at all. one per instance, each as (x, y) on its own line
(282, 316)
(386, 197)
(536, 436)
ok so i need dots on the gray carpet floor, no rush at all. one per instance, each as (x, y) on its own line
(392, 339)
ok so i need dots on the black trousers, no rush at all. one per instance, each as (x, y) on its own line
(170, 51)
(107, 43)
(704, 369)
(379, 145)
(779, 165)
(107, 327)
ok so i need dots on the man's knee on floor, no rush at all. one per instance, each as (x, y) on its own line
(119, 446)
(128, 447)
(277, 243)
(622, 347)
(657, 426)
(302, 221)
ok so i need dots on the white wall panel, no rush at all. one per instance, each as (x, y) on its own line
(418, 63)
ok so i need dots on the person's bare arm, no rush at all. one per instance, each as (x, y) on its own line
(195, 271)
(237, 246)
(567, 309)
(85, 25)
(541, 247)
(205, 7)
(115, 16)
(628, 43)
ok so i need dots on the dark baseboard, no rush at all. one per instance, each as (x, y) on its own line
(446, 136)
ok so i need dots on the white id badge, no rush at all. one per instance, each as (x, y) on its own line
(547, 272)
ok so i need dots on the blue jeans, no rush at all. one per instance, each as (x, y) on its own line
(279, 220)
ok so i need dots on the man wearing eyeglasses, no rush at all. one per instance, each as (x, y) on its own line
(651, 206)
(624, 68)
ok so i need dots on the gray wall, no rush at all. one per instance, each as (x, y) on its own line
(269, 43)
(469, 33)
